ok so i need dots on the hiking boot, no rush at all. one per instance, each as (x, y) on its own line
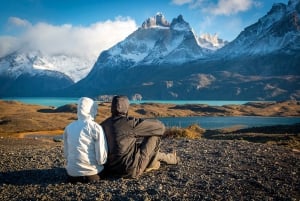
(170, 158)
(154, 166)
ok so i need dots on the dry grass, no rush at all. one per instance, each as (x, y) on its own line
(192, 132)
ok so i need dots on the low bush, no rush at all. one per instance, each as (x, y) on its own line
(192, 132)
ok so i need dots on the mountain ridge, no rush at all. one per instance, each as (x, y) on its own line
(277, 30)
(241, 70)
(163, 60)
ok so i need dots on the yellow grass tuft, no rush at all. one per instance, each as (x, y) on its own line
(192, 132)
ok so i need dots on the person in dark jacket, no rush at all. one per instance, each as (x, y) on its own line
(133, 143)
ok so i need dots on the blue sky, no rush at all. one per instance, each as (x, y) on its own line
(72, 26)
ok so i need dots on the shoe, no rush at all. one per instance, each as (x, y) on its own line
(177, 157)
(169, 158)
(155, 166)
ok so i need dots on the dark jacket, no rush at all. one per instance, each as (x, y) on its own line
(122, 134)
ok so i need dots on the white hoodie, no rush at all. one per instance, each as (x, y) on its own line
(85, 147)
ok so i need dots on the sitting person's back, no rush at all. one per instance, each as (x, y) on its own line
(85, 147)
(133, 143)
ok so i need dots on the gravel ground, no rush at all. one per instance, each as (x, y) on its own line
(32, 169)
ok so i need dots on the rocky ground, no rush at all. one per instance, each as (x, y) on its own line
(32, 169)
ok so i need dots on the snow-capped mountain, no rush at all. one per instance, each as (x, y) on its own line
(156, 41)
(212, 42)
(31, 74)
(35, 62)
(164, 60)
(277, 31)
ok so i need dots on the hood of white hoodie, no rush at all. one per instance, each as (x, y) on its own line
(86, 108)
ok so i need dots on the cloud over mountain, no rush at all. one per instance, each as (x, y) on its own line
(229, 7)
(67, 39)
(221, 7)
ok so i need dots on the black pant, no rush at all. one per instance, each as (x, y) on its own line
(84, 179)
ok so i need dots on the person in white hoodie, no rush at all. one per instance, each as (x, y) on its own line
(85, 146)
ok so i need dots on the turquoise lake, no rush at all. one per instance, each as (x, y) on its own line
(226, 122)
(56, 102)
(204, 122)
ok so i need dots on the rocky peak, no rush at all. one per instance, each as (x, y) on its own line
(180, 24)
(277, 7)
(157, 20)
(209, 41)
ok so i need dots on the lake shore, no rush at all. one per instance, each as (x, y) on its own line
(225, 164)
(19, 118)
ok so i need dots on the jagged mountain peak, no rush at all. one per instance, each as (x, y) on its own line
(158, 20)
(179, 19)
(277, 7)
(211, 41)
(180, 24)
(156, 41)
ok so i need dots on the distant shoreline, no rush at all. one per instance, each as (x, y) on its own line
(17, 117)
(60, 101)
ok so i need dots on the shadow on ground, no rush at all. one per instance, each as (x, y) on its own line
(34, 177)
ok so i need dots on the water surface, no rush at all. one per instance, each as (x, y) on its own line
(228, 121)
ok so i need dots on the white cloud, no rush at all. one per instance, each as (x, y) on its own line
(8, 44)
(15, 21)
(225, 28)
(221, 7)
(68, 39)
(229, 7)
(221, 16)
(231, 28)
(181, 2)
(207, 22)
